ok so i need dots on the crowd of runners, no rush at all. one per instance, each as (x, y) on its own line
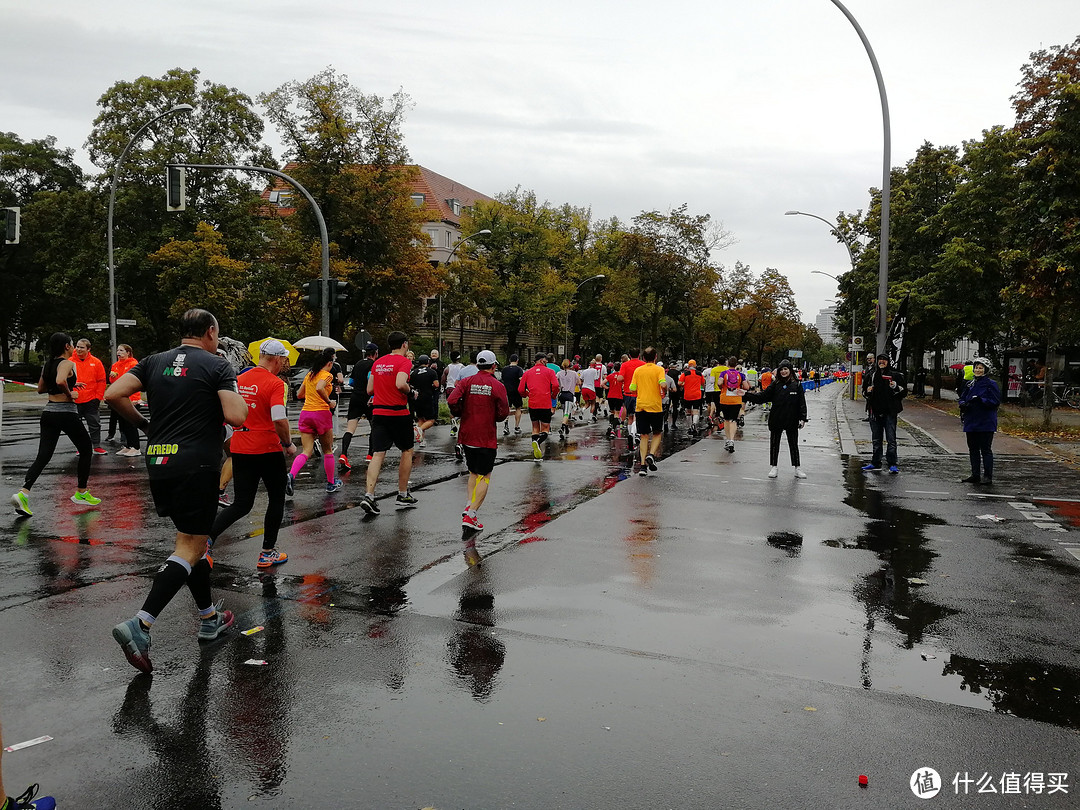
(202, 408)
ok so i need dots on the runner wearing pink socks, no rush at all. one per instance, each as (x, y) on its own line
(317, 420)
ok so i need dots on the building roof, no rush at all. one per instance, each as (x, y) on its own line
(439, 195)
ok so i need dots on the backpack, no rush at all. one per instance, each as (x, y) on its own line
(732, 379)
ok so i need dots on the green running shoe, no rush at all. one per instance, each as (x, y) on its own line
(21, 502)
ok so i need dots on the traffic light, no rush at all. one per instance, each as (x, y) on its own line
(11, 225)
(312, 296)
(339, 293)
(175, 188)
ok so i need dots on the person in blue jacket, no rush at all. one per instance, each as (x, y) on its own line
(978, 412)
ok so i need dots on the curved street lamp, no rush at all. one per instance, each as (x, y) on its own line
(449, 256)
(566, 333)
(851, 255)
(886, 182)
(185, 108)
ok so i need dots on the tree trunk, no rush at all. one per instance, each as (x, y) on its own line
(937, 373)
(1048, 383)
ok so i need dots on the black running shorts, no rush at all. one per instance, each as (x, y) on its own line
(649, 422)
(480, 460)
(358, 405)
(730, 411)
(541, 415)
(391, 431)
(191, 500)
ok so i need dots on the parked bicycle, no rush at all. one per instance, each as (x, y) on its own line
(1031, 395)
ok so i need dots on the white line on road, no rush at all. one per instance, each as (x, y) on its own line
(924, 492)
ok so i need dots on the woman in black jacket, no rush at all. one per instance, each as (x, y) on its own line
(788, 414)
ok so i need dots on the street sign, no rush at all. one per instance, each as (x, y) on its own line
(97, 327)
(125, 322)
(794, 353)
(857, 342)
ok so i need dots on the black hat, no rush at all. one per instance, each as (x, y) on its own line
(784, 363)
(883, 355)
(423, 360)
(372, 348)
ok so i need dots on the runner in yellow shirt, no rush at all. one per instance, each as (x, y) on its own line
(648, 384)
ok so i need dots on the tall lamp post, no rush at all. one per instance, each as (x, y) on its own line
(851, 256)
(886, 183)
(566, 333)
(449, 256)
(185, 108)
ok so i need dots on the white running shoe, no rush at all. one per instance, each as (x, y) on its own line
(773, 472)
(799, 473)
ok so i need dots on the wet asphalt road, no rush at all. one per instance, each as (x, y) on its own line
(705, 637)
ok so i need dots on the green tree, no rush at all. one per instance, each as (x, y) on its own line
(223, 129)
(350, 154)
(48, 275)
(1045, 257)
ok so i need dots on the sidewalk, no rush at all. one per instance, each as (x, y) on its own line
(926, 428)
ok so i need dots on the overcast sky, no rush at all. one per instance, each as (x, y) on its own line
(742, 109)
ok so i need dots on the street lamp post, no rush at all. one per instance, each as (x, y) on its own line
(449, 256)
(109, 226)
(886, 183)
(851, 256)
(566, 332)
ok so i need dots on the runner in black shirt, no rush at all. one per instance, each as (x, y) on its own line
(425, 408)
(358, 401)
(511, 376)
(192, 393)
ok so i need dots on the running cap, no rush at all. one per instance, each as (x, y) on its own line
(982, 361)
(485, 359)
(273, 348)
(691, 362)
(660, 363)
(423, 360)
(372, 348)
(883, 356)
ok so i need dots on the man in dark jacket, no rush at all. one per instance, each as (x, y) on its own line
(884, 389)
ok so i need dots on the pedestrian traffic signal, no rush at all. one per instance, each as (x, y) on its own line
(312, 296)
(11, 225)
(175, 188)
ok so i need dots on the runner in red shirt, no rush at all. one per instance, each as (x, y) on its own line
(691, 382)
(391, 422)
(541, 386)
(260, 448)
(481, 402)
(627, 375)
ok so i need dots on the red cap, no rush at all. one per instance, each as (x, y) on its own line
(863, 781)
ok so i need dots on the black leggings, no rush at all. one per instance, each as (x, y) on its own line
(53, 423)
(793, 444)
(248, 470)
(127, 430)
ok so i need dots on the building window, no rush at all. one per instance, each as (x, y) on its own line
(417, 199)
(449, 238)
(455, 206)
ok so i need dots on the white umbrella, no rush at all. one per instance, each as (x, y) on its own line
(318, 342)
